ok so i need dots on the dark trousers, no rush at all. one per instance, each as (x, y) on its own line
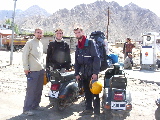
(34, 90)
(91, 97)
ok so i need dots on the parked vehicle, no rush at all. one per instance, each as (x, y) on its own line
(116, 100)
(64, 89)
(18, 43)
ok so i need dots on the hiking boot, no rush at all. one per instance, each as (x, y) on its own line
(87, 112)
(39, 108)
(28, 113)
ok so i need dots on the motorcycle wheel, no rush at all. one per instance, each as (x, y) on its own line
(117, 118)
(107, 115)
(59, 104)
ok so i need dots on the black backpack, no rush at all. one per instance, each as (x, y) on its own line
(99, 37)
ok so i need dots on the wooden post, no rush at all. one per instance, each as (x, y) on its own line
(11, 55)
(107, 24)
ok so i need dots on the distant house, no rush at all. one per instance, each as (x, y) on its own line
(5, 26)
(4, 33)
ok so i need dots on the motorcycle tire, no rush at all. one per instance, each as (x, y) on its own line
(60, 104)
(107, 115)
(117, 118)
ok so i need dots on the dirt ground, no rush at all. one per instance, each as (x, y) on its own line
(13, 85)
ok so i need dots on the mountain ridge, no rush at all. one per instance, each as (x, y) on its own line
(7, 14)
(127, 21)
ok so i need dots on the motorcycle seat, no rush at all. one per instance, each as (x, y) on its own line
(62, 77)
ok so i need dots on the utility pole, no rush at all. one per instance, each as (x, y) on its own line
(11, 55)
(107, 24)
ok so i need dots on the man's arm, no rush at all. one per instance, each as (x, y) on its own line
(68, 63)
(25, 57)
(133, 45)
(124, 47)
(76, 65)
(49, 53)
(96, 58)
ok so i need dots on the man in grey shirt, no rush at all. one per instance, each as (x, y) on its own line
(32, 58)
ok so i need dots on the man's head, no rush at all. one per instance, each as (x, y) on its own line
(128, 40)
(59, 34)
(78, 33)
(38, 33)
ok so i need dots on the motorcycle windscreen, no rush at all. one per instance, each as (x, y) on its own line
(61, 57)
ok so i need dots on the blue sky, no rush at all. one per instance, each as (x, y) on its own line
(54, 5)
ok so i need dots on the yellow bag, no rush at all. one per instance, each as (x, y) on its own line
(45, 81)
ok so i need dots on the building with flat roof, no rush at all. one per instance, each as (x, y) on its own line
(4, 33)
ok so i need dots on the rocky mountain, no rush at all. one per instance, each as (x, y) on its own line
(128, 21)
(7, 14)
(34, 10)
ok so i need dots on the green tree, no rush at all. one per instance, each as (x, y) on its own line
(48, 33)
(8, 21)
(16, 29)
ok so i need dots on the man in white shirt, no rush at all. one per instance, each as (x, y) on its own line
(32, 58)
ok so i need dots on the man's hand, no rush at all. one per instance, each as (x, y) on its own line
(26, 71)
(94, 77)
(78, 77)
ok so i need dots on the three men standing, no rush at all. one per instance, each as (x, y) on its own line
(87, 67)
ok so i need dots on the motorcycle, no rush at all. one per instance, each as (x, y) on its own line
(116, 100)
(64, 89)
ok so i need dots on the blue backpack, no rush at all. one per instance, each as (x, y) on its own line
(99, 37)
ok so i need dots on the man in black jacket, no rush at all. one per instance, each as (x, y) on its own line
(58, 53)
(87, 67)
